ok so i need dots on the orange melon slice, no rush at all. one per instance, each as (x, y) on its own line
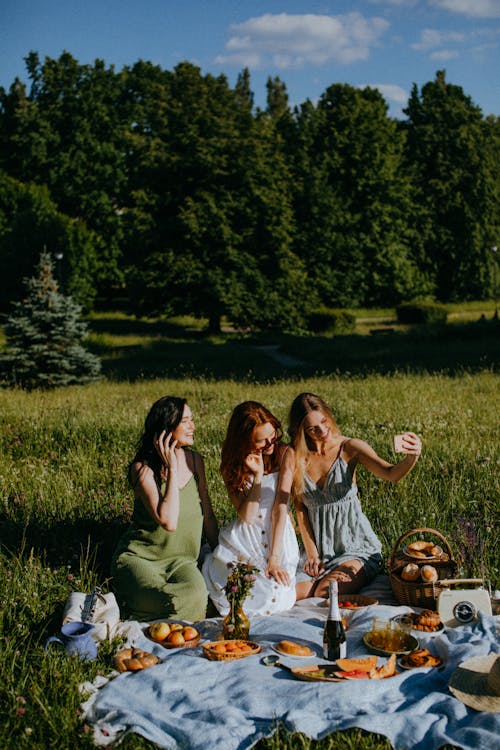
(365, 664)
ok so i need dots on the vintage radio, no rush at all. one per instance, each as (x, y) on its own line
(461, 606)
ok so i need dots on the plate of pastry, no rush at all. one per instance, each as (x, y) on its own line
(422, 550)
(419, 659)
(427, 622)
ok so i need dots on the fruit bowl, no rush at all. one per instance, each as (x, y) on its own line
(229, 650)
(356, 601)
(173, 634)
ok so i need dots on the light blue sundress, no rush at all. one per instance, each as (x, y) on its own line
(341, 530)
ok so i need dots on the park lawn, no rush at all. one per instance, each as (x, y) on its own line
(65, 500)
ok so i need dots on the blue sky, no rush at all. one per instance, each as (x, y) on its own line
(309, 44)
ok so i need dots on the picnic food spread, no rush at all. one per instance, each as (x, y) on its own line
(134, 660)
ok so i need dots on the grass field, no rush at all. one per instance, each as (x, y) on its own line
(65, 501)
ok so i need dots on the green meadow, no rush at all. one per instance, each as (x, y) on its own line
(64, 456)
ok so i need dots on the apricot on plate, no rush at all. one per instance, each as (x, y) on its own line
(219, 648)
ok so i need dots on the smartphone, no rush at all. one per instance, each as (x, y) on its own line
(398, 444)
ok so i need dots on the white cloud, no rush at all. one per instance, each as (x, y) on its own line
(292, 40)
(443, 54)
(432, 38)
(472, 8)
(389, 91)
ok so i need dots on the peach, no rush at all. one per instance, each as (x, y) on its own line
(159, 631)
(189, 633)
(176, 638)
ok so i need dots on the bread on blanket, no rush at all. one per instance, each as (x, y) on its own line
(134, 659)
(294, 649)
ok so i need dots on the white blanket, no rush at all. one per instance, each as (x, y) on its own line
(187, 701)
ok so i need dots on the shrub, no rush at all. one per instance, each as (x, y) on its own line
(421, 312)
(327, 320)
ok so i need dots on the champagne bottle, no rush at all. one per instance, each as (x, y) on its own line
(334, 641)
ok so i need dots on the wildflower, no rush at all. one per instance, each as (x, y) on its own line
(20, 711)
(239, 582)
(28, 730)
(21, 699)
(70, 576)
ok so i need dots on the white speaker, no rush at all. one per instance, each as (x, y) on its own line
(461, 606)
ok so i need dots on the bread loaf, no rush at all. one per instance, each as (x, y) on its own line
(294, 649)
(429, 573)
(134, 659)
(410, 572)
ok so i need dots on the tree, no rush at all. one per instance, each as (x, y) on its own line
(451, 153)
(44, 336)
(30, 222)
(353, 200)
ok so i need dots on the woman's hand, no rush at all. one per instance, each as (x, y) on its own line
(411, 444)
(255, 464)
(165, 445)
(274, 570)
(314, 567)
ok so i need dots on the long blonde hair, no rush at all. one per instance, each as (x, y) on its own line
(303, 405)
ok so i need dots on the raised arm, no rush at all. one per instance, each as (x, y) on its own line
(246, 503)
(163, 508)
(361, 452)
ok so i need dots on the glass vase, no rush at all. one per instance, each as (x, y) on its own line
(236, 624)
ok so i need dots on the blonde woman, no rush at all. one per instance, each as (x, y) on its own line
(339, 542)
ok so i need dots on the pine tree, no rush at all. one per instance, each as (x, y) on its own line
(44, 334)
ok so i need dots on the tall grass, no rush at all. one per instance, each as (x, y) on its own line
(65, 501)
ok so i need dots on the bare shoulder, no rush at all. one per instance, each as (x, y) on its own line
(286, 456)
(354, 447)
(140, 472)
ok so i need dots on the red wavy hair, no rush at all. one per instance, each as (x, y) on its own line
(239, 443)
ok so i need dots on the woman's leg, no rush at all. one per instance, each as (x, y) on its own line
(350, 575)
(304, 589)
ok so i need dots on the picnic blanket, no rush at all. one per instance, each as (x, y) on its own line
(187, 701)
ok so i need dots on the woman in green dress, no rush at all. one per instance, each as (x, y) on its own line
(155, 566)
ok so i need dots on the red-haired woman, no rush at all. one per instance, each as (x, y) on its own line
(257, 470)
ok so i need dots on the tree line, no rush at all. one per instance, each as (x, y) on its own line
(168, 191)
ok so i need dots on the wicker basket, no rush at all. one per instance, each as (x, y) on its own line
(210, 653)
(419, 593)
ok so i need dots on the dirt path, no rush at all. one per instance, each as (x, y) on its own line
(273, 351)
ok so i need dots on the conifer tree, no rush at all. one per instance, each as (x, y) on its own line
(44, 335)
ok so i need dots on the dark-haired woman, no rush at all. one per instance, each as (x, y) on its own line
(257, 470)
(154, 568)
(339, 542)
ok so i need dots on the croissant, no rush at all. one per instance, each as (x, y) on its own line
(134, 659)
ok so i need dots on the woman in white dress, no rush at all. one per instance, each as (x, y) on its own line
(257, 470)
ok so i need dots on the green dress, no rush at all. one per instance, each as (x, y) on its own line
(155, 572)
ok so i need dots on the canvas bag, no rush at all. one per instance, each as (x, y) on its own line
(100, 610)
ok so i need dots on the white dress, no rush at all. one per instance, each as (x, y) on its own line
(241, 541)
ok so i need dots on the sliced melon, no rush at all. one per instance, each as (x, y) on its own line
(364, 664)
